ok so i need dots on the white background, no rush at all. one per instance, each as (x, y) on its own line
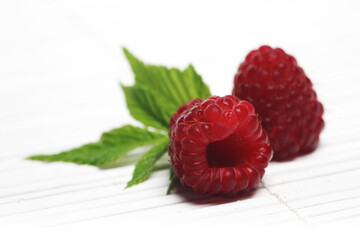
(60, 68)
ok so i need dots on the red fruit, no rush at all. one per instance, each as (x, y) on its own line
(284, 99)
(218, 145)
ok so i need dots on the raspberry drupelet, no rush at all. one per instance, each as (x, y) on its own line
(284, 99)
(218, 146)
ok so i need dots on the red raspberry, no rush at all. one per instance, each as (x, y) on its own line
(218, 145)
(284, 98)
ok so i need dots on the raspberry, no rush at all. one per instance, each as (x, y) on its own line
(218, 146)
(284, 99)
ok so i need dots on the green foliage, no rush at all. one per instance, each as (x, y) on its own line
(145, 164)
(169, 85)
(157, 93)
(148, 108)
(112, 145)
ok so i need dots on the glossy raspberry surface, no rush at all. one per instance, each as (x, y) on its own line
(284, 99)
(218, 146)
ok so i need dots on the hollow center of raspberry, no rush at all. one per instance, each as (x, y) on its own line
(229, 152)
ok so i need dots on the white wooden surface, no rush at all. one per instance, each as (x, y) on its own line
(60, 65)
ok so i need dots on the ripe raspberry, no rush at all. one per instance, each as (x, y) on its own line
(284, 99)
(218, 145)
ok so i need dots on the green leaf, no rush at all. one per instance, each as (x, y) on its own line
(174, 180)
(177, 87)
(145, 165)
(112, 145)
(147, 107)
